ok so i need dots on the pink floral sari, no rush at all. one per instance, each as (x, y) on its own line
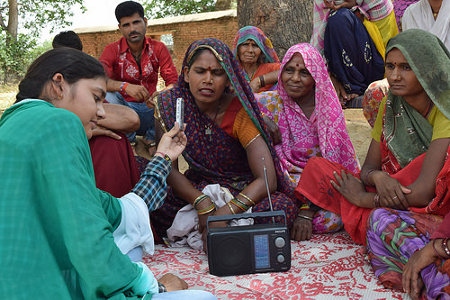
(323, 134)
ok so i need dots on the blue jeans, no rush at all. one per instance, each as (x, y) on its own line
(185, 295)
(146, 116)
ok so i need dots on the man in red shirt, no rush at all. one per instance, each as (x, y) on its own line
(132, 65)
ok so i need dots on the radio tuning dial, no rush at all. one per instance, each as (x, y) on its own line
(280, 242)
(280, 258)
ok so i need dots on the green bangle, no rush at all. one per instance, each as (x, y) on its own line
(199, 199)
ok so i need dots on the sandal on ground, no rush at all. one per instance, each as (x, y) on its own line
(150, 147)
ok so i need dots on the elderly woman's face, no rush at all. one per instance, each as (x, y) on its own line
(249, 52)
(402, 79)
(296, 79)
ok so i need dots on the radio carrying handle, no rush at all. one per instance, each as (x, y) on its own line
(277, 213)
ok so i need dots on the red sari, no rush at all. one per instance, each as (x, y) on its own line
(115, 167)
(319, 172)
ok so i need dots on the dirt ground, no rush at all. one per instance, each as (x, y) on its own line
(7, 98)
(359, 131)
(357, 125)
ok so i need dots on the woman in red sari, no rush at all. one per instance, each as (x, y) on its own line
(406, 166)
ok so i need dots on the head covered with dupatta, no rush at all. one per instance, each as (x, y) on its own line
(429, 59)
(334, 141)
(238, 83)
(257, 35)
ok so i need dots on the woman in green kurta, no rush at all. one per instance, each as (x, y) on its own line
(56, 227)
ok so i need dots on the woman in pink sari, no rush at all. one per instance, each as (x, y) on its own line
(307, 118)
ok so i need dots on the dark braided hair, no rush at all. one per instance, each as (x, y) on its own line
(71, 63)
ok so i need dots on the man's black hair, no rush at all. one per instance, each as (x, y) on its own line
(128, 8)
(67, 39)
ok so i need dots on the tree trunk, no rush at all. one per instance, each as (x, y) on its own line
(285, 22)
(223, 5)
(13, 19)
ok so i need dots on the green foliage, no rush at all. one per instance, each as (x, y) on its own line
(37, 14)
(16, 56)
(155, 9)
(16, 53)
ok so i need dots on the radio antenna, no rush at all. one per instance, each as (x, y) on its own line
(266, 181)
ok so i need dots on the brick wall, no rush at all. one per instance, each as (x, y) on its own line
(184, 30)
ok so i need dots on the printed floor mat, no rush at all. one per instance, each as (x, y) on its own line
(329, 266)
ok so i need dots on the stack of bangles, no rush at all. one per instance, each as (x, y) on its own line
(210, 208)
(304, 206)
(444, 248)
(240, 204)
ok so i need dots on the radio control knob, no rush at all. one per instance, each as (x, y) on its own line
(280, 258)
(280, 242)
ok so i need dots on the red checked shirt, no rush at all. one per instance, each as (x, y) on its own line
(120, 65)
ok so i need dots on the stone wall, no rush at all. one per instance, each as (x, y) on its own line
(184, 30)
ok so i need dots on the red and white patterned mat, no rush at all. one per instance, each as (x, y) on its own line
(329, 266)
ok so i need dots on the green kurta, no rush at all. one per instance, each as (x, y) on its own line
(56, 227)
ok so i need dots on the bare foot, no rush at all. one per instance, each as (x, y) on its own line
(351, 96)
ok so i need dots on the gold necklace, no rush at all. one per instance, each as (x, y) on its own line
(435, 13)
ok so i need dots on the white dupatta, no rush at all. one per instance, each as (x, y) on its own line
(419, 15)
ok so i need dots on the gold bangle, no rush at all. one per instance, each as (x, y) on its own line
(207, 210)
(231, 208)
(247, 198)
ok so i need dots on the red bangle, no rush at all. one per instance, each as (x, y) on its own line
(123, 87)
